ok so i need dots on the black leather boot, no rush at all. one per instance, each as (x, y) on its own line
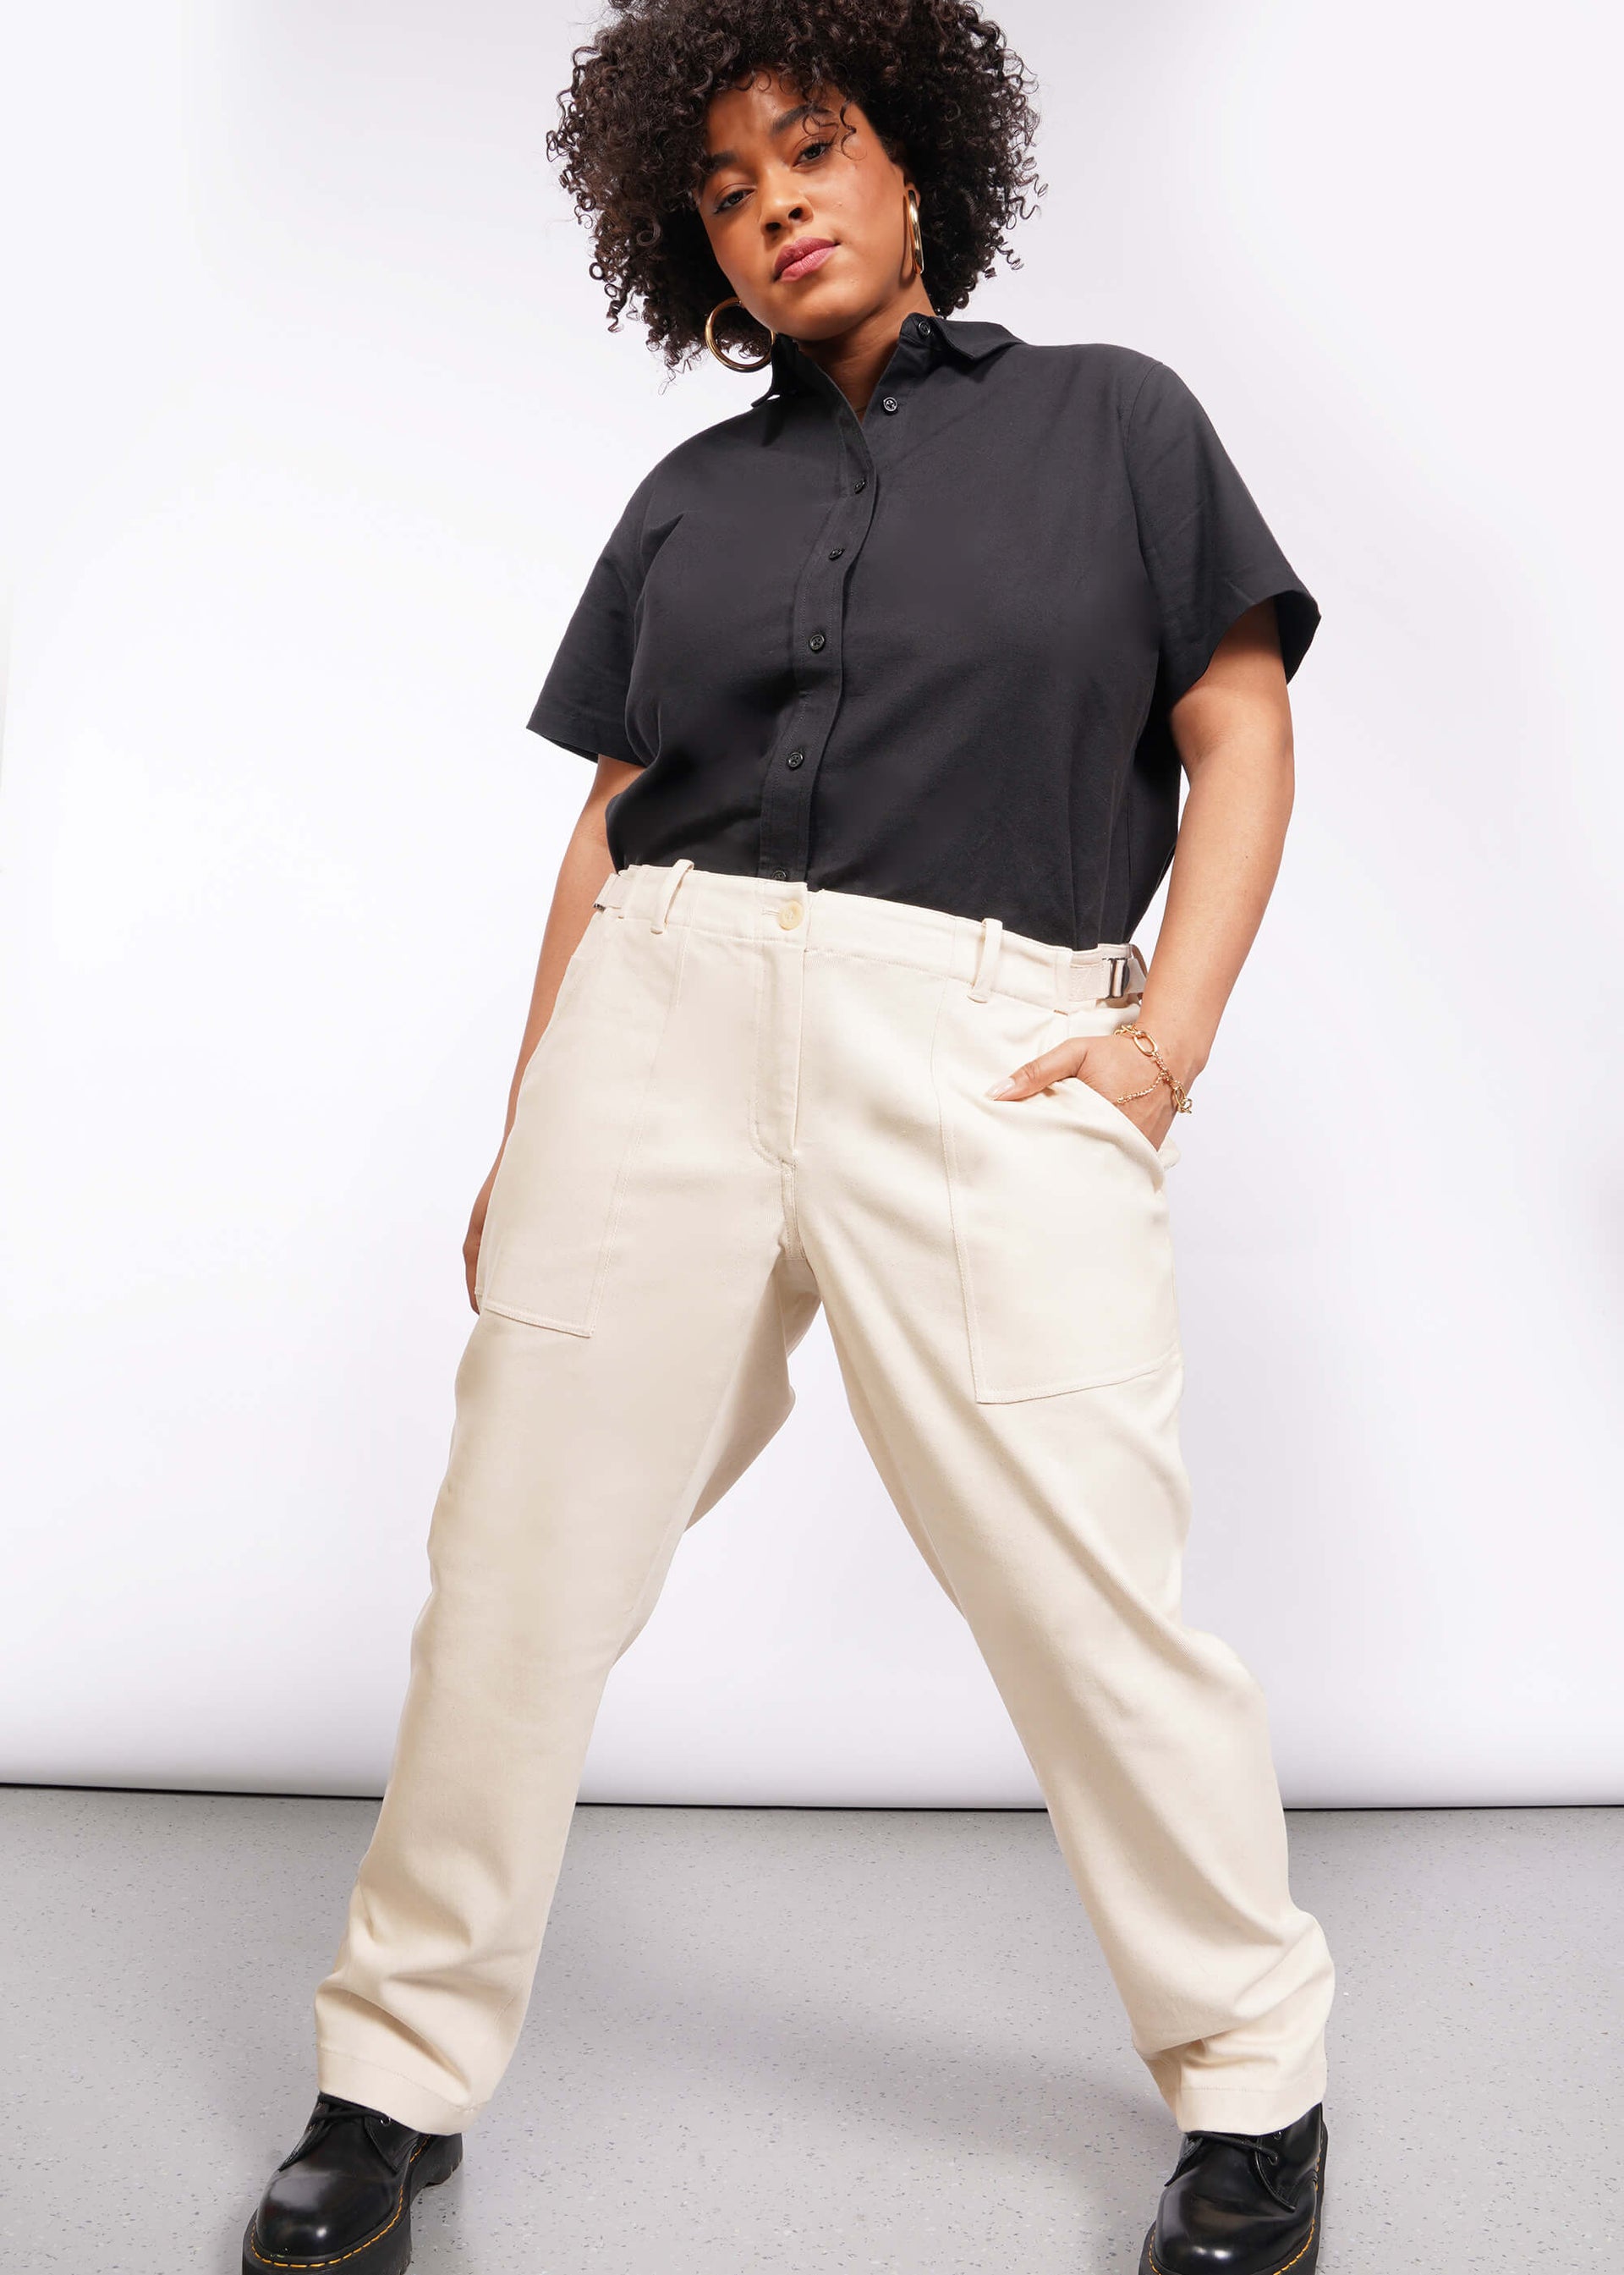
(1241, 2204)
(344, 2193)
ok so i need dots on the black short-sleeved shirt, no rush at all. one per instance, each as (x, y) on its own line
(927, 654)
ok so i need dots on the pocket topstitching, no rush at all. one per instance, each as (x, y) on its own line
(576, 1127)
(1060, 1221)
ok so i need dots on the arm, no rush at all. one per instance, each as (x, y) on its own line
(1232, 730)
(586, 863)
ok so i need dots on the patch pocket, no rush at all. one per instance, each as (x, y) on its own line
(576, 1127)
(1059, 1220)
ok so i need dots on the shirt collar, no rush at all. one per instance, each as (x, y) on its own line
(964, 340)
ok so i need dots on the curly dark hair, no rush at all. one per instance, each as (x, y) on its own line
(935, 77)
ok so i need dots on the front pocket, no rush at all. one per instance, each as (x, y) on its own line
(1059, 1220)
(576, 1128)
(1096, 1103)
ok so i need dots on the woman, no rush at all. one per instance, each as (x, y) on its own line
(888, 681)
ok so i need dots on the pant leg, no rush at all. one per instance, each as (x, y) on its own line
(998, 1282)
(635, 1212)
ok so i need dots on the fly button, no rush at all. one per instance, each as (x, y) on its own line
(790, 915)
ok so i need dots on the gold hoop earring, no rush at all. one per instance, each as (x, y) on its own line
(912, 201)
(733, 301)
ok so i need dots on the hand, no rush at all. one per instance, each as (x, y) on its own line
(1109, 1064)
(476, 1227)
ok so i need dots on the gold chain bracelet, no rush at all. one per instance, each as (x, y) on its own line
(1146, 1044)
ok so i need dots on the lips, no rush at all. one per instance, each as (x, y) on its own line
(801, 258)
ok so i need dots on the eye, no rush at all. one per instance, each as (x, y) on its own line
(816, 150)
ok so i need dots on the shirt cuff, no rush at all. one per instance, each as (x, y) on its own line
(588, 733)
(1296, 614)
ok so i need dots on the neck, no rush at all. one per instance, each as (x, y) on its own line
(855, 358)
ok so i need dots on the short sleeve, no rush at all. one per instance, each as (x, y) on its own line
(582, 706)
(1209, 553)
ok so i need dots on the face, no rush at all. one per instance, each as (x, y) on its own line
(780, 172)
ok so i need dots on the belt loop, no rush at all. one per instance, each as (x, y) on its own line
(1065, 960)
(986, 959)
(668, 894)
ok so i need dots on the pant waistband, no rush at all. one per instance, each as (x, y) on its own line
(980, 950)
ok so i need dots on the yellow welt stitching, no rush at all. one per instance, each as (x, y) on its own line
(376, 2237)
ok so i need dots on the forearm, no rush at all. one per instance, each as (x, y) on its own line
(1228, 852)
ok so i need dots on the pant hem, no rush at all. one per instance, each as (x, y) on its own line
(409, 2103)
(1246, 2108)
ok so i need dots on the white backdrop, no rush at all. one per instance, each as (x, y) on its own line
(318, 429)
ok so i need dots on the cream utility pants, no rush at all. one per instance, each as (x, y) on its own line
(753, 1097)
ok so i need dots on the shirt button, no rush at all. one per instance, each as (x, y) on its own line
(922, 327)
(795, 758)
(779, 875)
(887, 403)
(816, 640)
(861, 483)
(836, 551)
(790, 915)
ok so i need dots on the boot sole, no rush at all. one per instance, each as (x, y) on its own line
(1303, 2261)
(387, 2250)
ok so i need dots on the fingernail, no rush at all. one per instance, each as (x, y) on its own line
(1004, 1088)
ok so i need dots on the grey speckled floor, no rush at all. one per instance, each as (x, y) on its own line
(799, 2040)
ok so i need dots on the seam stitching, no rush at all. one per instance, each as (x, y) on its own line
(622, 1176)
(967, 1286)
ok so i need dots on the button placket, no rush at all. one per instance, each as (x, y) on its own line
(816, 629)
(818, 618)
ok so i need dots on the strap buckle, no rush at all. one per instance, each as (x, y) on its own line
(1125, 974)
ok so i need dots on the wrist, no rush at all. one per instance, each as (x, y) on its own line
(1184, 1049)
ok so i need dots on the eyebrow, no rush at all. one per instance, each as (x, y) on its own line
(791, 117)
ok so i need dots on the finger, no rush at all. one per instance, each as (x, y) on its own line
(1037, 1074)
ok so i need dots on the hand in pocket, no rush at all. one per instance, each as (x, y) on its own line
(1108, 1064)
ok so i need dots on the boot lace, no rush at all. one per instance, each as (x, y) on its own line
(332, 2110)
(1260, 2150)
